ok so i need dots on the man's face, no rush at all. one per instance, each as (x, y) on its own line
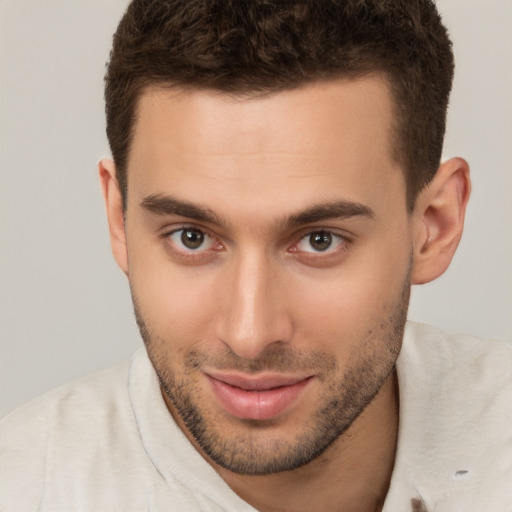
(268, 256)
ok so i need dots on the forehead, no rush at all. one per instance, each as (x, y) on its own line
(222, 122)
(326, 138)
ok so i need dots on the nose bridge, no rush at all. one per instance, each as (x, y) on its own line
(252, 317)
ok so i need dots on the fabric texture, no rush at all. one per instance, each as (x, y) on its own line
(108, 443)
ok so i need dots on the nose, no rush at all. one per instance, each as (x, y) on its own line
(253, 313)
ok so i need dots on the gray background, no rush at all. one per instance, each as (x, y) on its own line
(64, 306)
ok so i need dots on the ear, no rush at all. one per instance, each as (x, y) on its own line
(115, 213)
(439, 220)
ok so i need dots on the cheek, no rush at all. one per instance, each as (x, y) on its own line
(342, 309)
(177, 303)
(353, 301)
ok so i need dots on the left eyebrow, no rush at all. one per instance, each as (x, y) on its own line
(168, 205)
(329, 211)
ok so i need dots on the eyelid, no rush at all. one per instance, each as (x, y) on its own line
(169, 230)
(303, 233)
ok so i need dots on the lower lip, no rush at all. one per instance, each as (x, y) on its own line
(256, 405)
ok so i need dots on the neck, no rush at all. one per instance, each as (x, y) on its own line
(352, 475)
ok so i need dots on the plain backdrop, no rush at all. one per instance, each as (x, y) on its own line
(64, 306)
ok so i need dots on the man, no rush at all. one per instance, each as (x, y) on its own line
(275, 190)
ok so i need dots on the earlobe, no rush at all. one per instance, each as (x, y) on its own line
(439, 220)
(115, 213)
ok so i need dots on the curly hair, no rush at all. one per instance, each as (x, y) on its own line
(252, 47)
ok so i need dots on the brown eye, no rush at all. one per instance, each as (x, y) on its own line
(192, 238)
(190, 245)
(320, 241)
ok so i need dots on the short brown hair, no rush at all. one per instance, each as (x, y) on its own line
(264, 46)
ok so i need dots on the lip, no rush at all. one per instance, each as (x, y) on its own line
(261, 397)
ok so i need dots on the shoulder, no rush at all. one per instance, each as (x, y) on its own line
(455, 362)
(67, 417)
(88, 395)
(421, 338)
(457, 384)
(455, 434)
(456, 377)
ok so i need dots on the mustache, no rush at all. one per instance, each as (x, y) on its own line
(275, 359)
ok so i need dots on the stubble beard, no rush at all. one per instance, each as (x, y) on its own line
(240, 452)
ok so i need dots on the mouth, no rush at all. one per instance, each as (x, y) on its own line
(262, 397)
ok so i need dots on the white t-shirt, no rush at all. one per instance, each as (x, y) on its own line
(108, 443)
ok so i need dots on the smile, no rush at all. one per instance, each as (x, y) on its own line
(259, 398)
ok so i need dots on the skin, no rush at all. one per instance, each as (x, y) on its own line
(257, 297)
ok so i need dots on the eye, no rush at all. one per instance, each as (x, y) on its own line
(191, 239)
(320, 241)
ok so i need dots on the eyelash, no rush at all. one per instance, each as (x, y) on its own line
(202, 256)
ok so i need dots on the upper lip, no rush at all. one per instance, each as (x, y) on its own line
(263, 382)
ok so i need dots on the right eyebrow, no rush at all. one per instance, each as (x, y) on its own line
(168, 205)
(333, 210)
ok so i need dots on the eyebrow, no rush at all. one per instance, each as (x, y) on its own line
(333, 210)
(168, 205)
(343, 209)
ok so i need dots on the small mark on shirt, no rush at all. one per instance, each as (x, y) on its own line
(461, 472)
(418, 505)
